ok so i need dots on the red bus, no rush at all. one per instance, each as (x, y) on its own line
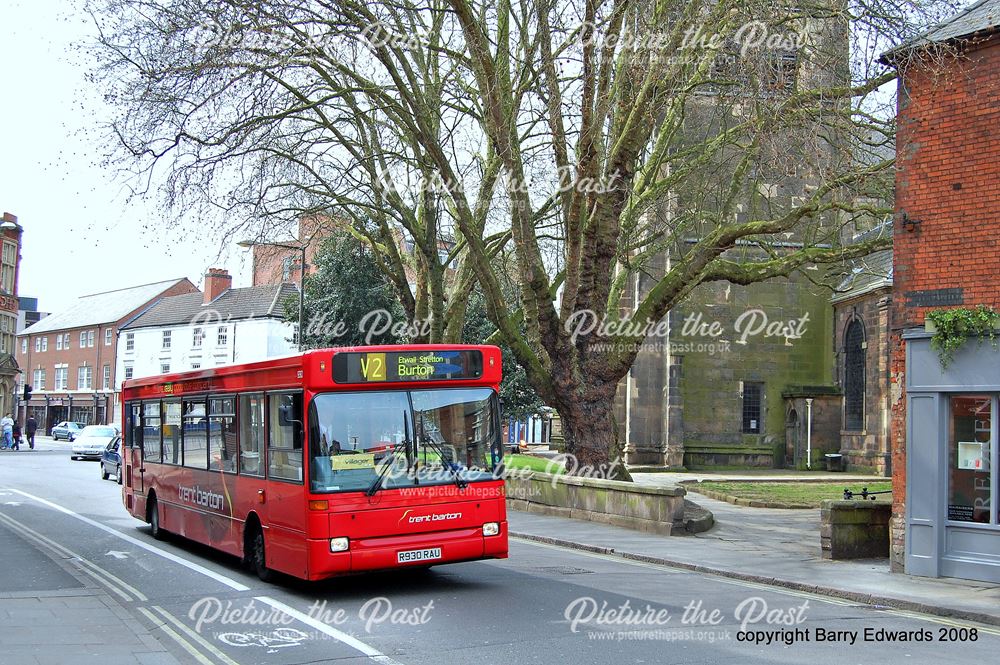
(326, 462)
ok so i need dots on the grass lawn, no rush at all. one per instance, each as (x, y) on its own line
(519, 461)
(805, 494)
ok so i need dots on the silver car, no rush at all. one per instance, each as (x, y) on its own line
(91, 441)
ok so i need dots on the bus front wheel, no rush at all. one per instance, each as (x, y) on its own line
(257, 557)
(154, 520)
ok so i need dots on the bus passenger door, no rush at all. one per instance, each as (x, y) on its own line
(131, 453)
(286, 504)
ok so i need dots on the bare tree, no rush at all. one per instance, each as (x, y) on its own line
(558, 146)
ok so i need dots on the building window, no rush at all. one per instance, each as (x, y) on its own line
(90, 338)
(286, 268)
(752, 400)
(38, 344)
(854, 376)
(166, 339)
(45, 344)
(9, 267)
(39, 379)
(62, 377)
(24, 345)
(197, 336)
(128, 372)
(85, 378)
(223, 336)
(108, 333)
(106, 382)
(83, 339)
(970, 444)
(130, 341)
(59, 342)
(164, 368)
(65, 341)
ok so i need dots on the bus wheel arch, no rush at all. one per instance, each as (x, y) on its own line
(254, 548)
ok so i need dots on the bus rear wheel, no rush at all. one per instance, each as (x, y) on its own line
(257, 557)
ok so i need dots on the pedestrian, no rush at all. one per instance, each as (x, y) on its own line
(30, 426)
(16, 435)
(7, 425)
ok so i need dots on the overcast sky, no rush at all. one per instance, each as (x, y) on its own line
(80, 234)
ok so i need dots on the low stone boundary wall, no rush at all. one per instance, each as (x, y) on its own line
(854, 529)
(651, 509)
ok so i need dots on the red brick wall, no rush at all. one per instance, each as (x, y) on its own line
(948, 178)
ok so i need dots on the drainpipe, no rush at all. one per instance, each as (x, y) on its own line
(809, 431)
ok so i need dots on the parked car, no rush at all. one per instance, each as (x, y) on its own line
(67, 429)
(111, 460)
(91, 441)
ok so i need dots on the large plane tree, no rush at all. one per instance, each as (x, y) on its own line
(557, 149)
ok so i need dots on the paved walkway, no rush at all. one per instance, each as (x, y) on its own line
(772, 546)
(744, 475)
(53, 614)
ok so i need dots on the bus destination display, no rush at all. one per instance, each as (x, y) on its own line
(389, 366)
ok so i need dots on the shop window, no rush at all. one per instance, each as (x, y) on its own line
(970, 443)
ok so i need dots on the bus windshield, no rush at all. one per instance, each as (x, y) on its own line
(426, 436)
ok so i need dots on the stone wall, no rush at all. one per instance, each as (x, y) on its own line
(651, 509)
(866, 449)
(854, 529)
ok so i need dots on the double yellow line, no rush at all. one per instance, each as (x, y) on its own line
(112, 583)
(126, 592)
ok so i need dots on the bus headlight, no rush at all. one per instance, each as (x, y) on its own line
(491, 529)
(339, 544)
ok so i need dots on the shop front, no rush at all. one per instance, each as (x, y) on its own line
(952, 522)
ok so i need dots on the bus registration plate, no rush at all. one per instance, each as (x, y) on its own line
(410, 556)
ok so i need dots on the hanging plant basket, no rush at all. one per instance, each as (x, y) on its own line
(952, 327)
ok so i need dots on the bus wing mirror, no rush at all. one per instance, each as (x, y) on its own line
(286, 415)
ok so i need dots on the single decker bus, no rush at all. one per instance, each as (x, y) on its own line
(326, 462)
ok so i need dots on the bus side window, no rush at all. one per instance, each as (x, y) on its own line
(251, 425)
(285, 431)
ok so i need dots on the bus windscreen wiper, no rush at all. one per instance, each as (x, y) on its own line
(380, 479)
(462, 484)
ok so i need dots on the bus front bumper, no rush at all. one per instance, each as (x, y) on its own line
(384, 552)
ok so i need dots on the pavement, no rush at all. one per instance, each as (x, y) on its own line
(771, 546)
(52, 608)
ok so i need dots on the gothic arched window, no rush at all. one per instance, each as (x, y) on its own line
(854, 376)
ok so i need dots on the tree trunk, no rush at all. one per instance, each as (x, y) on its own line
(591, 434)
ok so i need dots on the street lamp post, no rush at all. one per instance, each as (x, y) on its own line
(248, 244)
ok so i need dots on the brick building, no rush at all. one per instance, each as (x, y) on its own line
(944, 416)
(10, 264)
(69, 357)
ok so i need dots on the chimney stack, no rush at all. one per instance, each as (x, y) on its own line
(217, 281)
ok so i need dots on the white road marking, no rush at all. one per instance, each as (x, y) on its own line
(218, 577)
(116, 554)
(323, 627)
